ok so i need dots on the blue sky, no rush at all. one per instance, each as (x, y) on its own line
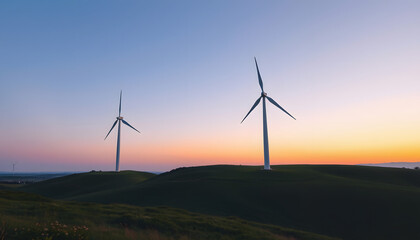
(187, 74)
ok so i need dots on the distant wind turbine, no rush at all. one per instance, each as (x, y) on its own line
(264, 96)
(119, 120)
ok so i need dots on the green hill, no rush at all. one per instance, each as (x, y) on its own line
(27, 216)
(78, 185)
(350, 202)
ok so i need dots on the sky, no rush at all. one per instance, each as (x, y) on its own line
(348, 71)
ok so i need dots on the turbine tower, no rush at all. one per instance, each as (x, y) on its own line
(119, 120)
(265, 130)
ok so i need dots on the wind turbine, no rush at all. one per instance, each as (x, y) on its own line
(265, 130)
(119, 120)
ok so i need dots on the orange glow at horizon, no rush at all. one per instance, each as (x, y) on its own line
(218, 152)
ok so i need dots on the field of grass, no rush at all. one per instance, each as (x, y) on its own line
(26, 216)
(349, 202)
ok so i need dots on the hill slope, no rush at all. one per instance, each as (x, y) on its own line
(79, 185)
(351, 202)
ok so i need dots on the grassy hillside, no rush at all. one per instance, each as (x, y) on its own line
(351, 202)
(27, 216)
(79, 185)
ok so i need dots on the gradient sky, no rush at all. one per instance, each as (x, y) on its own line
(349, 71)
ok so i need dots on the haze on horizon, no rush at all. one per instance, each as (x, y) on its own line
(347, 70)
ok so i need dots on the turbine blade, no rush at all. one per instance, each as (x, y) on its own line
(126, 123)
(113, 125)
(119, 111)
(252, 108)
(259, 76)
(277, 105)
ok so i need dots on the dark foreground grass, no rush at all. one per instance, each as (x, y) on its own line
(29, 216)
(350, 202)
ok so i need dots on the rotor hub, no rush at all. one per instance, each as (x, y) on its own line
(263, 94)
(120, 118)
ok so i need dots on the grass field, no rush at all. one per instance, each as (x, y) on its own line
(349, 202)
(27, 216)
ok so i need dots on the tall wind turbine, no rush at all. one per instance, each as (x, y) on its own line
(265, 130)
(119, 120)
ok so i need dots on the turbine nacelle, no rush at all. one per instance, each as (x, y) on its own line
(263, 94)
(120, 118)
